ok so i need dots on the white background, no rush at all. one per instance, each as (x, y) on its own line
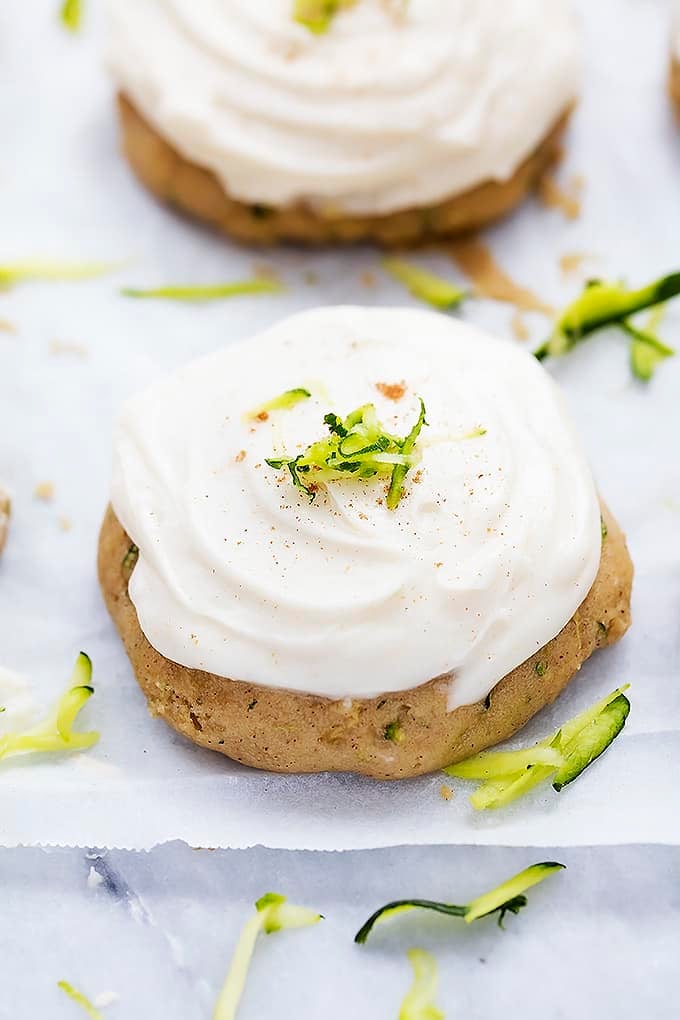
(601, 943)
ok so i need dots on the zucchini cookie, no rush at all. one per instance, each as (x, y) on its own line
(378, 553)
(396, 123)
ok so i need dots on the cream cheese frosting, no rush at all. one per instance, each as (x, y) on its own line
(397, 105)
(488, 555)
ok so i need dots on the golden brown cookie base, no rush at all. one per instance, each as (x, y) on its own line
(674, 83)
(288, 732)
(197, 191)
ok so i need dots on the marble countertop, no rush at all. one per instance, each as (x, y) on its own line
(599, 940)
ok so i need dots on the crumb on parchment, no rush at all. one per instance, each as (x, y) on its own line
(565, 198)
(44, 491)
(445, 792)
(5, 512)
(490, 280)
(68, 347)
(519, 327)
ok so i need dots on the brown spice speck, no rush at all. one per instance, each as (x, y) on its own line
(262, 416)
(392, 391)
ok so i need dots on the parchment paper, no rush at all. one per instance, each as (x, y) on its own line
(66, 193)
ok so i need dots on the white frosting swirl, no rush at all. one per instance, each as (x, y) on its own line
(490, 552)
(381, 113)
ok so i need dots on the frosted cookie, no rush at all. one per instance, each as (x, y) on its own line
(365, 540)
(399, 122)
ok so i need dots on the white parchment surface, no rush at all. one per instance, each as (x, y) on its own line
(80, 348)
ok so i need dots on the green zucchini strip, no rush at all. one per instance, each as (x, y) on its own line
(80, 999)
(272, 913)
(37, 269)
(283, 402)
(420, 283)
(317, 15)
(71, 14)
(357, 445)
(508, 775)
(418, 1003)
(505, 898)
(403, 907)
(604, 304)
(56, 733)
(507, 895)
(646, 351)
(209, 292)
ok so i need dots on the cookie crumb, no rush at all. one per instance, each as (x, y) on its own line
(65, 523)
(476, 260)
(5, 511)
(445, 792)
(44, 491)
(7, 327)
(240, 456)
(263, 271)
(571, 262)
(567, 200)
(519, 326)
(68, 347)
(367, 279)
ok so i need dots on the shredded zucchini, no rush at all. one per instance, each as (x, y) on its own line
(505, 898)
(508, 896)
(71, 14)
(283, 402)
(317, 15)
(426, 286)
(358, 445)
(56, 733)
(646, 351)
(209, 292)
(272, 913)
(611, 304)
(36, 269)
(80, 999)
(508, 775)
(418, 1003)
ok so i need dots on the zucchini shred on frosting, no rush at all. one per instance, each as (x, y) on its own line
(492, 547)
